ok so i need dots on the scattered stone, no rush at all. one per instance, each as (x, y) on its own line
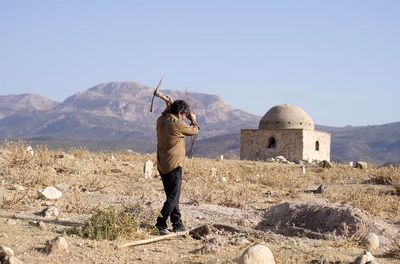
(315, 189)
(16, 187)
(11, 221)
(115, 170)
(325, 164)
(50, 211)
(223, 179)
(83, 188)
(365, 258)
(238, 241)
(65, 156)
(5, 252)
(56, 245)
(7, 256)
(113, 158)
(214, 172)
(212, 245)
(304, 169)
(316, 261)
(201, 231)
(351, 164)
(281, 159)
(40, 224)
(148, 169)
(51, 193)
(29, 149)
(370, 241)
(361, 165)
(257, 254)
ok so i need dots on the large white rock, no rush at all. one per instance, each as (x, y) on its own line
(6, 252)
(370, 241)
(280, 158)
(148, 169)
(214, 172)
(56, 245)
(257, 254)
(366, 258)
(50, 211)
(7, 256)
(361, 165)
(50, 193)
(29, 149)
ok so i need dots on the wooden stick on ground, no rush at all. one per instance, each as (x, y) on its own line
(151, 240)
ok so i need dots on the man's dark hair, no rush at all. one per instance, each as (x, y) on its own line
(179, 106)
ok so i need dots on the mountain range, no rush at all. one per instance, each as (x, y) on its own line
(116, 115)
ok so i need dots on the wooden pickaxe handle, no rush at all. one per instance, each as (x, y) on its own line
(166, 98)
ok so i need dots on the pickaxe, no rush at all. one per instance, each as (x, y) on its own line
(159, 94)
(168, 99)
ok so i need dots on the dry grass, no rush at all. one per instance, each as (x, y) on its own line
(75, 204)
(90, 189)
(342, 172)
(386, 175)
(19, 166)
(13, 201)
(394, 253)
(237, 184)
(370, 199)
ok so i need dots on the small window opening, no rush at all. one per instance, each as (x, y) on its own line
(271, 142)
(317, 145)
(301, 123)
(277, 122)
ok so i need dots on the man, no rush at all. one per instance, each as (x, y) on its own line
(171, 132)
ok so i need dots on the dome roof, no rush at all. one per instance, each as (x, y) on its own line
(286, 117)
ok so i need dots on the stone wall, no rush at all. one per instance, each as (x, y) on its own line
(309, 141)
(293, 144)
(254, 144)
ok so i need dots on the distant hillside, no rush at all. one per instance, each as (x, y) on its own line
(116, 115)
(379, 143)
(12, 104)
(119, 111)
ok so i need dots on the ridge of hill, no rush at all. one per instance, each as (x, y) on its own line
(116, 115)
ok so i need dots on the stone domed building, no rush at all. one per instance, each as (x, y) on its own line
(285, 130)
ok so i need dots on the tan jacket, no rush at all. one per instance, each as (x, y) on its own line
(171, 134)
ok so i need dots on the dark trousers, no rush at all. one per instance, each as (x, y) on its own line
(172, 182)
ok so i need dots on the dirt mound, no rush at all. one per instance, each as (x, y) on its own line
(323, 220)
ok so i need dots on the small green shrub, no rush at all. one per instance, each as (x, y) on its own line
(109, 223)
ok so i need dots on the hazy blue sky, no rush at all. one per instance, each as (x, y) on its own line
(339, 60)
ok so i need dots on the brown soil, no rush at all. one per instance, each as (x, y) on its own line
(240, 200)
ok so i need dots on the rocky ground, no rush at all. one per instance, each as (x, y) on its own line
(241, 202)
